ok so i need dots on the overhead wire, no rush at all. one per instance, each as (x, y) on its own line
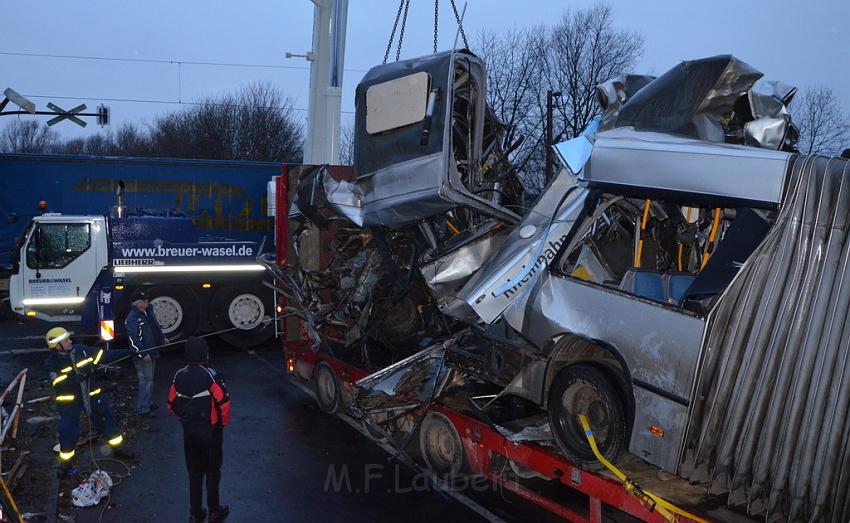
(179, 63)
(165, 61)
(167, 102)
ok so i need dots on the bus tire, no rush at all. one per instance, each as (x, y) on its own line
(584, 388)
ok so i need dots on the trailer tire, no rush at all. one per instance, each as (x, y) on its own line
(176, 310)
(584, 388)
(441, 446)
(327, 388)
(243, 307)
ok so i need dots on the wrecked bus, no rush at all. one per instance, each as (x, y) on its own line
(680, 282)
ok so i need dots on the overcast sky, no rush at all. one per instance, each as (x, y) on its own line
(799, 42)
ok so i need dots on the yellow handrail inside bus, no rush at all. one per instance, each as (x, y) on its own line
(709, 246)
(644, 220)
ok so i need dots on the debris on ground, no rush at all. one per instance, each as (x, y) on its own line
(92, 490)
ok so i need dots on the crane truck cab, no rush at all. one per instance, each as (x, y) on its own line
(84, 268)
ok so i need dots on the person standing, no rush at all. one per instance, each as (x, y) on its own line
(199, 399)
(70, 368)
(144, 333)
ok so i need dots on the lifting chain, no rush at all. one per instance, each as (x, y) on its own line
(401, 32)
(436, 22)
(460, 25)
(392, 34)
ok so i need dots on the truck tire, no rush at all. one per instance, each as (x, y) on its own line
(243, 309)
(176, 310)
(583, 388)
(327, 388)
(441, 446)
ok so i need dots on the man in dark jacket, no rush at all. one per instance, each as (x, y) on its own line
(144, 333)
(70, 368)
(198, 397)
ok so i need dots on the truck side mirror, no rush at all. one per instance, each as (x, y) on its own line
(37, 240)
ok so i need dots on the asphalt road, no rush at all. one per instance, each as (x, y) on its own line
(284, 459)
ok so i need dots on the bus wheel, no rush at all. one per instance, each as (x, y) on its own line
(327, 389)
(441, 446)
(585, 389)
(176, 310)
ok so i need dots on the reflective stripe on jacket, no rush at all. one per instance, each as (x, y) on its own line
(199, 398)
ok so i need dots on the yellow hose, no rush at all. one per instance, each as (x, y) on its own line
(665, 508)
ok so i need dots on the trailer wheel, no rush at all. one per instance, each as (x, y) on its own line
(245, 309)
(327, 388)
(441, 446)
(176, 310)
(583, 388)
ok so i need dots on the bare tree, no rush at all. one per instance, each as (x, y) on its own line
(28, 136)
(585, 49)
(514, 79)
(258, 123)
(267, 128)
(131, 140)
(582, 50)
(346, 144)
(824, 128)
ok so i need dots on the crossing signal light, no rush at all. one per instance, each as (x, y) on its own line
(102, 115)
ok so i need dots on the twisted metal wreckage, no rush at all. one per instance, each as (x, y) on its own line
(681, 281)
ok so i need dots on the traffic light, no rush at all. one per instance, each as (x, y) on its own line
(102, 115)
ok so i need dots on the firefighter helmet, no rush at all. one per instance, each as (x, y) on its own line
(55, 335)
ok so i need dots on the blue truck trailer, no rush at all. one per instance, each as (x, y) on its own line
(187, 232)
(224, 199)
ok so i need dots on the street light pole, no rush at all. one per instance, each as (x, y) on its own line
(550, 159)
(326, 69)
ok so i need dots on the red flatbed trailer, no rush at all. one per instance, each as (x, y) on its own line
(482, 445)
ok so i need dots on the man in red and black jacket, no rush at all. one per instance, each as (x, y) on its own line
(198, 397)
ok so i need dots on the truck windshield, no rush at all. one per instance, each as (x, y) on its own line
(55, 245)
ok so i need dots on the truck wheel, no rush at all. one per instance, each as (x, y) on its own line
(327, 389)
(244, 310)
(176, 310)
(583, 388)
(441, 446)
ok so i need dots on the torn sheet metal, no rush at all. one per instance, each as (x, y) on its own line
(576, 152)
(771, 416)
(770, 98)
(409, 383)
(613, 94)
(691, 98)
(528, 251)
(446, 275)
(718, 99)
(767, 132)
(528, 429)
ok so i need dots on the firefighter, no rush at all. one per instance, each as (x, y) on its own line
(70, 368)
(199, 399)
